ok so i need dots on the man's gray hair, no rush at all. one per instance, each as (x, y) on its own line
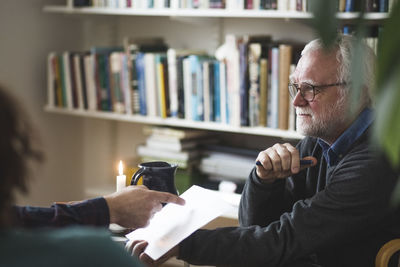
(344, 55)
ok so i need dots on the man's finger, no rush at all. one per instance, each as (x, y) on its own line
(139, 248)
(308, 162)
(295, 165)
(165, 197)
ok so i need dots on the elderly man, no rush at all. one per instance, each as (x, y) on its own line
(333, 212)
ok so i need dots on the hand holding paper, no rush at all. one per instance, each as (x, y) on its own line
(174, 223)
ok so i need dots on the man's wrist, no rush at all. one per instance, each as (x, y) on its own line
(111, 215)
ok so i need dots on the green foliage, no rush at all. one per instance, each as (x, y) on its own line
(387, 127)
(387, 89)
(324, 22)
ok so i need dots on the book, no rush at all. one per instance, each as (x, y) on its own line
(79, 80)
(67, 79)
(223, 93)
(141, 83)
(173, 81)
(168, 132)
(131, 51)
(206, 90)
(90, 82)
(217, 91)
(273, 101)
(211, 88)
(51, 80)
(263, 92)
(145, 151)
(187, 88)
(101, 66)
(254, 78)
(232, 80)
(285, 58)
(118, 102)
(176, 145)
(150, 81)
(74, 90)
(244, 81)
(162, 86)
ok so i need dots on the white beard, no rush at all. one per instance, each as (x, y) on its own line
(327, 124)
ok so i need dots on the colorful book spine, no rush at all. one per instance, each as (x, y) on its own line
(141, 83)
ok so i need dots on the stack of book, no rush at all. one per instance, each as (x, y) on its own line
(175, 146)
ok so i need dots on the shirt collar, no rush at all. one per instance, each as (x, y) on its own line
(333, 154)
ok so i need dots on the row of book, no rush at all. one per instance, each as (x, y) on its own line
(282, 5)
(246, 86)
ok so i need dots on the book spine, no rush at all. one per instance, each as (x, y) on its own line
(173, 82)
(51, 80)
(187, 80)
(254, 91)
(78, 80)
(141, 83)
(211, 89)
(244, 85)
(263, 91)
(217, 92)
(206, 91)
(67, 80)
(150, 78)
(274, 104)
(285, 56)
(125, 84)
(223, 93)
(181, 89)
(84, 78)
(349, 6)
(115, 82)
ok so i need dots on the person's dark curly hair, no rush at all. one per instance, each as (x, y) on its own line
(17, 152)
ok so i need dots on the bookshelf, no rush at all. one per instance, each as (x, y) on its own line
(175, 122)
(375, 17)
(224, 18)
(181, 28)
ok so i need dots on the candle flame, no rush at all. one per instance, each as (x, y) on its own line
(120, 168)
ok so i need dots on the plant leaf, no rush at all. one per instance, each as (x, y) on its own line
(388, 50)
(324, 20)
(387, 124)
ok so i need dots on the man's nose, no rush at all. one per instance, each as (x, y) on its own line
(298, 100)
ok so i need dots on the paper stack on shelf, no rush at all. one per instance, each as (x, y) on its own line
(227, 164)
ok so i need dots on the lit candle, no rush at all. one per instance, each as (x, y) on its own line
(121, 178)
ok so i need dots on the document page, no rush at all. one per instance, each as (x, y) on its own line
(174, 222)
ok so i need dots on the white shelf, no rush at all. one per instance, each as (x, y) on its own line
(211, 13)
(209, 126)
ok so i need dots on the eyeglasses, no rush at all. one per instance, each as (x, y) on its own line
(308, 91)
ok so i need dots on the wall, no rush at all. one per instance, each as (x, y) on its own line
(27, 35)
(83, 153)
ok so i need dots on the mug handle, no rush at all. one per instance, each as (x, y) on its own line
(136, 176)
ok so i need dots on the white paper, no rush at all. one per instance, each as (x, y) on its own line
(174, 222)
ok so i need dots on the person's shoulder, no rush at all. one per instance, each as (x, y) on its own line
(72, 246)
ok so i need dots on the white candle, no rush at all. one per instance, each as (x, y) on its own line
(121, 178)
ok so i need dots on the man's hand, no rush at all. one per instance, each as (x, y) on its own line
(137, 247)
(280, 161)
(134, 206)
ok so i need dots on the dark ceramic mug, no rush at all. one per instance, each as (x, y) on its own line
(157, 175)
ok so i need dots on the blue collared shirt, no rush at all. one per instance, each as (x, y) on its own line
(334, 153)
